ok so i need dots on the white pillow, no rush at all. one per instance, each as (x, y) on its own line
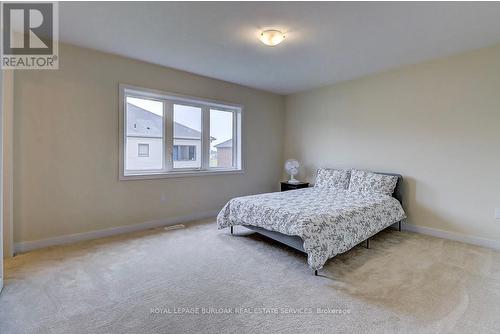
(370, 182)
(332, 178)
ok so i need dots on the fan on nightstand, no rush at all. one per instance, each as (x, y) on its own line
(292, 169)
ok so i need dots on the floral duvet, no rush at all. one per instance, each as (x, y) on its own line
(328, 220)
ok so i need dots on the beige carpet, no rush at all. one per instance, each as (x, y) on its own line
(406, 283)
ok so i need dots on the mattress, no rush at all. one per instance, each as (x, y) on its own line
(329, 221)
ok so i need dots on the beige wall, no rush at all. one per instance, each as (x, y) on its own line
(437, 123)
(7, 121)
(66, 147)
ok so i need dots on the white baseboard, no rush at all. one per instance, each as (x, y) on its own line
(478, 241)
(21, 247)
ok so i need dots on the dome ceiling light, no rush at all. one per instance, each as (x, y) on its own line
(271, 37)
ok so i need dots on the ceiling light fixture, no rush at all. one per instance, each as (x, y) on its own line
(271, 37)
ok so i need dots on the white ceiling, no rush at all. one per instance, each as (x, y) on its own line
(325, 43)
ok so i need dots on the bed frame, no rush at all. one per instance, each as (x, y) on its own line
(297, 243)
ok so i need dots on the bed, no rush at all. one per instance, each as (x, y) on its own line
(322, 221)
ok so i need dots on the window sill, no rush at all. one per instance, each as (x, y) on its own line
(190, 173)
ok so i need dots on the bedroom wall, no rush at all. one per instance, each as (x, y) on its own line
(66, 147)
(7, 167)
(437, 123)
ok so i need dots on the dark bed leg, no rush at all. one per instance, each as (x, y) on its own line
(399, 226)
(315, 273)
(368, 243)
(231, 230)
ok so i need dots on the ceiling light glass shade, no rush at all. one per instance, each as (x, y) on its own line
(271, 37)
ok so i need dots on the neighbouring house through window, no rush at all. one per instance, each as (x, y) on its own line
(169, 135)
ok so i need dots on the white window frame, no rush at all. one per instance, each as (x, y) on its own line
(169, 99)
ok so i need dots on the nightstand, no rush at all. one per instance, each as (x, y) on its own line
(288, 186)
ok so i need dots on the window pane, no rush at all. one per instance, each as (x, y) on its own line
(187, 137)
(192, 152)
(144, 134)
(144, 150)
(185, 153)
(221, 138)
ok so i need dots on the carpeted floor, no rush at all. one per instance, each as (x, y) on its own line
(201, 280)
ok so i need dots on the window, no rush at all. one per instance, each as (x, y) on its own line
(165, 135)
(184, 153)
(187, 135)
(143, 150)
(144, 134)
(221, 130)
